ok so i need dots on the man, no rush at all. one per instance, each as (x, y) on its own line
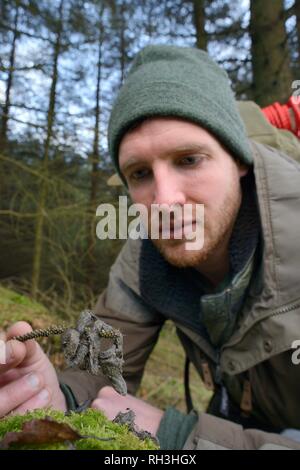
(176, 138)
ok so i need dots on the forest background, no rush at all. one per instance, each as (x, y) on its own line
(62, 63)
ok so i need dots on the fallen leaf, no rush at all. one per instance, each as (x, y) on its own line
(40, 431)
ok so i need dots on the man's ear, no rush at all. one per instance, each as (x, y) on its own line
(242, 168)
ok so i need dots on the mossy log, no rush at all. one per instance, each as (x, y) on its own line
(88, 423)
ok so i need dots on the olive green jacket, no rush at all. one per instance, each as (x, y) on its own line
(260, 350)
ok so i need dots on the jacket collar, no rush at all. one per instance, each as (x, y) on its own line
(270, 320)
(274, 290)
(278, 194)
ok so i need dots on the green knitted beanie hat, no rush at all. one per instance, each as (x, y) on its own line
(180, 82)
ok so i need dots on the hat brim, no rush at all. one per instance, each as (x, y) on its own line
(115, 180)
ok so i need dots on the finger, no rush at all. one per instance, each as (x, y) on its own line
(108, 392)
(18, 328)
(15, 351)
(21, 328)
(10, 376)
(18, 392)
(107, 400)
(99, 404)
(40, 400)
(109, 409)
(13, 355)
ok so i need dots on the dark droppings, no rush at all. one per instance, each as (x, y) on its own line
(128, 418)
(82, 347)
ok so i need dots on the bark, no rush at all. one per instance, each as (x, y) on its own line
(297, 12)
(122, 41)
(9, 83)
(199, 22)
(95, 176)
(42, 202)
(272, 75)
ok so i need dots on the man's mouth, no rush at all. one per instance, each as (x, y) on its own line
(176, 230)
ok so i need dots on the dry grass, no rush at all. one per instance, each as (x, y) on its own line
(163, 382)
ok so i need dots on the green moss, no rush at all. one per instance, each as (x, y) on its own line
(16, 307)
(89, 423)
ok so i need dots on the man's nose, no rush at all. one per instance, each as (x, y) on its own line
(168, 189)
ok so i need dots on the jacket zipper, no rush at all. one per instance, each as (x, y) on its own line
(246, 403)
(224, 404)
(281, 311)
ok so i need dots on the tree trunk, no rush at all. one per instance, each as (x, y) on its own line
(199, 22)
(122, 41)
(94, 159)
(272, 75)
(297, 11)
(41, 213)
(6, 107)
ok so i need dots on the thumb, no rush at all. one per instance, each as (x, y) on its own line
(31, 347)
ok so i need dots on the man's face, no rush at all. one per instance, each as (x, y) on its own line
(175, 162)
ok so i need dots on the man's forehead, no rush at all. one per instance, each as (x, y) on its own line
(165, 135)
(155, 123)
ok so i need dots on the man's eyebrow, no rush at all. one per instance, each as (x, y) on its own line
(180, 150)
(130, 162)
(189, 148)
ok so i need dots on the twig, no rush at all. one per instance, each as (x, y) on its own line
(52, 330)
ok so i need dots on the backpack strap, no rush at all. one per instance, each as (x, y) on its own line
(187, 391)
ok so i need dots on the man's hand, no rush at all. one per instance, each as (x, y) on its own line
(110, 402)
(28, 379)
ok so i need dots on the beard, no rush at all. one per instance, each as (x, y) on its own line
(218, 227)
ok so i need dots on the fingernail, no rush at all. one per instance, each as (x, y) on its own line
(33, 381)
(44, 395)
(2, 336)
(9, 353)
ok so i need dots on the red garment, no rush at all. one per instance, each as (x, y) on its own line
(279, 115)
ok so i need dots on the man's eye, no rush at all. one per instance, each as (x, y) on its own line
(189, 160)
(139, 174)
